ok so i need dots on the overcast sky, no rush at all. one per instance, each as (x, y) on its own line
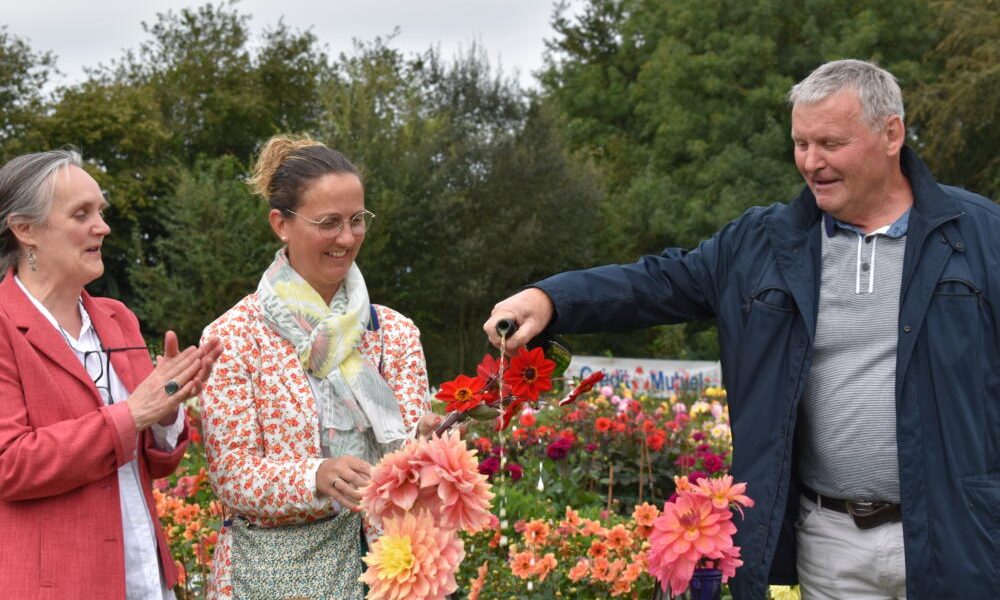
(85, 33)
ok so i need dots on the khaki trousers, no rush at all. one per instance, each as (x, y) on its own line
(838, 561)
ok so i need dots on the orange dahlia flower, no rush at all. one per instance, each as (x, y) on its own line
(618, 538)
(522, 564)
(722, 492)
(579, 570)
(536, 532)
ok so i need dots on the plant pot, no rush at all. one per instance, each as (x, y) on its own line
(706, 584)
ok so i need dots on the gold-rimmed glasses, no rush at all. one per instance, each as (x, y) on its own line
(332, 225)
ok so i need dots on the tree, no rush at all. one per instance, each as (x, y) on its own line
(198, 88)
(214, 249)
(23, 74)
(473, 192)
(956, 114)
(680, 103)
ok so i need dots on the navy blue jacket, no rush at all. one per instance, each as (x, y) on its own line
(758, 278)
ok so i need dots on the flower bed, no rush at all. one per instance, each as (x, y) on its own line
(582, 487)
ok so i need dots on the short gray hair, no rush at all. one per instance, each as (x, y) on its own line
(877, 89)
(27, 184)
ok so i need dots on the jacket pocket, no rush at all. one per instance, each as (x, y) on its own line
(982, 496)
(773, 298)
(959, 287)
(960, 354)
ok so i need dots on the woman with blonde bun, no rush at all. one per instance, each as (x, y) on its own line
(314, 385)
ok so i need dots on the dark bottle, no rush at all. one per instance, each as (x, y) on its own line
(554, 348)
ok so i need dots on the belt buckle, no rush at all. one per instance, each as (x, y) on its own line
(868, 515)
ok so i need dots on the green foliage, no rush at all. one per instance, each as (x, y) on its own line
(216, 244)
(473, 191)
(704, 85)
(23, 73)
(680, 106)
(200, 87)
(957, 112)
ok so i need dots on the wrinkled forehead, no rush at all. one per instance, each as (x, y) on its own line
(840, 110)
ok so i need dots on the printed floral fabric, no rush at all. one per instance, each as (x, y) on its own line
(261, 425)
(293, 561)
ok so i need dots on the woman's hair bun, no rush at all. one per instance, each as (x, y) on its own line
(274, 153)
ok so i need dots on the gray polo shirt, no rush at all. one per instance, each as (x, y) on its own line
(847, 422)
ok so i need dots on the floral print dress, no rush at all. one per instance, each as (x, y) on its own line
(261, 424)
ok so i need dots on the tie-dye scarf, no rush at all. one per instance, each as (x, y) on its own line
(352, 394)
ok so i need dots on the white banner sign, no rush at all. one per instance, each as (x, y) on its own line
(649, 376)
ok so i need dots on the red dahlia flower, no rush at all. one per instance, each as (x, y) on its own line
(585, 386)
(530, 373)
(462, 394)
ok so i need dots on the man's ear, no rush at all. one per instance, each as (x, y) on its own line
(895, 134)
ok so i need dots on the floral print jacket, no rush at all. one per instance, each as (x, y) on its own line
(261, 425)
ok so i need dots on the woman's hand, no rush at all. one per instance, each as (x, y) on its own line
(210, 352)
(151, 401)
(342, 479)
(427, 424)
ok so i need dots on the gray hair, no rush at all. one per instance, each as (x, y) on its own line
(877, 89)
(27, 184)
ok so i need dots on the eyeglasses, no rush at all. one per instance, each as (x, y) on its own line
(94, 362)
(333, 225)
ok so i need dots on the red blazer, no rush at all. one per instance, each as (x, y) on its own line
(60, 449)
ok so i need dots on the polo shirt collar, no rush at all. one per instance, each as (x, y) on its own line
(896, 230)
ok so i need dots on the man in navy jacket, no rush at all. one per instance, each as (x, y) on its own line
(859, 327)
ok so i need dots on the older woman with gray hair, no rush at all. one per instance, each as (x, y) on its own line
(86, 420)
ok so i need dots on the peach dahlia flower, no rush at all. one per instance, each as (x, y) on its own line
(440, 475)
(394, 485)
(723, 493)
(413, 560)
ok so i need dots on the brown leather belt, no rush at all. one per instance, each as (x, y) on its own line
(866, 515)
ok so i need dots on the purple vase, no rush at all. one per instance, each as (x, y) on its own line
(706, 584)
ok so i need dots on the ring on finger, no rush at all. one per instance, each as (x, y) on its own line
(171, 387)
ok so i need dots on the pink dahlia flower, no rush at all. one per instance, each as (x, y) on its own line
(451, 484)
(689, 530)
(729, 562)
(394, 486)
(413, 560)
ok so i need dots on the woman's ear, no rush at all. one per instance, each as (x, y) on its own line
(23, 231)
(278, 224)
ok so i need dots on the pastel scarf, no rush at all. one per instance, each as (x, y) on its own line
(351, 393)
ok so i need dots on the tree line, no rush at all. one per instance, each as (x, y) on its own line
(656, 122)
